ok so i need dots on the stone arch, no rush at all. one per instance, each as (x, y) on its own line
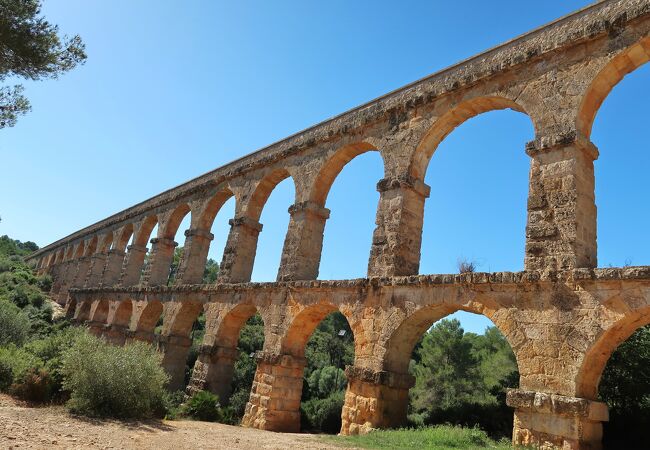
(123, 312)
(100, 313)
(451, 119)
(624, 63)
(179, 317)
(303, 325)
(78, 251)
(596, 357)
(232, 323)
(59, 256)
(82, 311)
(105, 243)
(141, 237)
(402, 340)
(123, 238)
(263, 191)
(170, 227)
(333, 167)
(91, 246)
(208, 214)
(146, 321)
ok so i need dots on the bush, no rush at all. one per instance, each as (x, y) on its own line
(323, 414)
(35, 384)
(203, 405)
(170, 408)
(51, 350)
(14, 325)
(105, 380)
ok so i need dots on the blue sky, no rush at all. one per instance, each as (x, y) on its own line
(172, 90)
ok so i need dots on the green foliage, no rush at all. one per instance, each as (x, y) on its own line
(170, 407)
(441, 437)
(322, 414)
(105, 380)
(35, 385)
(251, 340)
(203, 405)
(14, 324)
(625, 387)
(211, 272)
(23, 374)
(461, 379)
(31, 48)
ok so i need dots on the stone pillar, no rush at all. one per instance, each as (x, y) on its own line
(374, 399)
(160, 261)
(174, 350)
(239, 254)
(113, 267)
(561, 228)
(555, 421)
(303, 244)
(94, 276)
(195, 255)
(67, 280)
(132, 266)
(397, 238)
(81, 272)
(213, 371)
(56, 271)
(274, 403)
(115, 334)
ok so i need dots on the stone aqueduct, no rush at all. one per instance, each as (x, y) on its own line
(562, 315)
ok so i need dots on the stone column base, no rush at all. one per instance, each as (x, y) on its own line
(550, 421)
(213, 371)
(174, 350)
(274, 404)
(115, 334)
(374, 399)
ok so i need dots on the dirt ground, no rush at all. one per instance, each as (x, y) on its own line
(23, 427)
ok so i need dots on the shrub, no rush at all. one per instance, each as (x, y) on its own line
(35, 384)
(105, 380)
(15, 366)
(50, 349)
(323, 414)
(203, 405)
(14, 325)
(44, 283)
(170, 408)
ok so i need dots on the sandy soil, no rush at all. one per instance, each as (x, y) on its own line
(23, 427)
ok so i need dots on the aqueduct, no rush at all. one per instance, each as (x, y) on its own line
(562, 315)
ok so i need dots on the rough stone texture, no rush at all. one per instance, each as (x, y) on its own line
(562, 317)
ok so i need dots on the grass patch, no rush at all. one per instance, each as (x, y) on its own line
(441, 437)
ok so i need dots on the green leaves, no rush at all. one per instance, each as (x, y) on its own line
(30, 47)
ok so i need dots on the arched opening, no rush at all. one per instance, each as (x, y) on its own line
(148, 323)
(322, 335)
(82, 311)
(141, 239)
(615, 370)
(475, 217)
(176, 227)
(347, 186)
(460, 377)
(622, 166)
(215, 219)
(180, 322)
(120, 322)
(242, 331)
(269, 205)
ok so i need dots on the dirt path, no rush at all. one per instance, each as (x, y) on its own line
(52, 427)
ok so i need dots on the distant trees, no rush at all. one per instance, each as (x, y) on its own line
(461, 378)
(31, 48)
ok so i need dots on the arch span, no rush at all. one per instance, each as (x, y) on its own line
(263, 191)
(451, 119)
(626, 62)
(333, 167)
(596, 357)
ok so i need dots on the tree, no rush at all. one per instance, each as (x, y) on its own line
(31, 48)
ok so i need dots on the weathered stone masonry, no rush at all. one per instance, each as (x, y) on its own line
(562, 316)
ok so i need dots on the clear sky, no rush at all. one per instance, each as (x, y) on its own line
(174, 89)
